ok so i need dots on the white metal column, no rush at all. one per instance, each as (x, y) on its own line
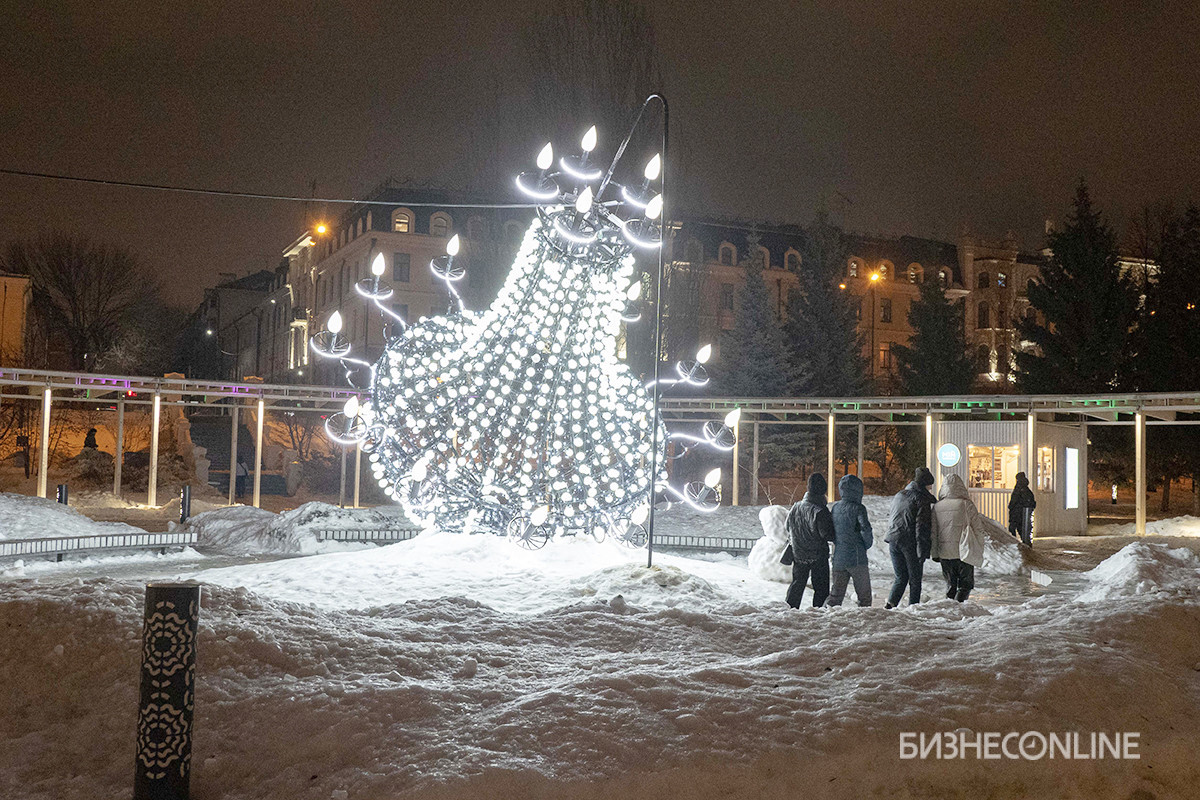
(152, 481)
(1139, 443)
(862, 438)
(736, 447)
(357, 471)
(830, 452)
(258, 448)
(119, 455)
(233, 454)
(44, 450)
(930, 456)
(754, 467)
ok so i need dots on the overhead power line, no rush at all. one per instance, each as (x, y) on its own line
(158, 187)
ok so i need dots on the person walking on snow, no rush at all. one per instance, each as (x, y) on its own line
(810, 530)
(852, 539)
(1020, 510)
(957, 541)
(909, 531)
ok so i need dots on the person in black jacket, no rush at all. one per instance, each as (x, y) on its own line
(910, 531)
(1020, 510)
(810, 530)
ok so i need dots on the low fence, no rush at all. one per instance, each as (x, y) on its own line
(107, 542)
(708, 544)
(368, 535)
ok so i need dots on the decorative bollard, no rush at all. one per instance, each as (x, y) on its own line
(62, 494)
(185, 504)
(164, 733)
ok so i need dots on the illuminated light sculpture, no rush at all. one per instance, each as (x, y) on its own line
(520, 420)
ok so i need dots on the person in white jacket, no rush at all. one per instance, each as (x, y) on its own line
(957, 541)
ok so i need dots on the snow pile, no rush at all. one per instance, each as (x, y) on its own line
(1185, 525)
(246, 530)
(1001, 553)
(431, 690)
(500, 574)
(23, 517)
(739, 522)
(1144, 568)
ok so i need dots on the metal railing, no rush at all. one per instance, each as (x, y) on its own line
(709, 544)
(370, 535)
(16, 548)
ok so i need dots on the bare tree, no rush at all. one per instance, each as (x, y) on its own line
(86, 296)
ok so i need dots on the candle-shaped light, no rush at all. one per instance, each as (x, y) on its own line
(653, 168)
(545, 157)
(583, 204)
(588, 143)
(634, 291)
(351, 407)
(654, 207)
(731, 419)
(713, 478)
(334, 325)
(377, 266)
(704, 354)
(453, 245)
(540, 515)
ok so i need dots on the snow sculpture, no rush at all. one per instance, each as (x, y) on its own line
(764, 556)
(520, 419)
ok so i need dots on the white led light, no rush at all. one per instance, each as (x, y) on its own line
(713, 478)
(453, 245)
(653, 168)
(704, 354)
(584, 203)
(654, 207)
(731, 419)
(334, 325)
(588, 143)
(377, 265)
(545, 157)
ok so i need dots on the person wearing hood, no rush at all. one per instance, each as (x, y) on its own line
(957, 541)
(1020, 510)
(909, 532)
(852, 539)
(810, 530)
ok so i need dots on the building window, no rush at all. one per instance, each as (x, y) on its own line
(852, 268)
(943, 278)
(727, 255)
(792, 261)
(885, 309)
(765, 254)
(1045, 469)
(400, 310)
(439, 224)
(1001, 316)
(991, 467)
(885, 356)
(1002, 279)
(983, 281)
(402, 220)
(983, 318)
(915, 273)
(401, 267)
(727, 297)
(883, 271)
(858, 309)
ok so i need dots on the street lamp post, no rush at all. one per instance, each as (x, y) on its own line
(871, 355)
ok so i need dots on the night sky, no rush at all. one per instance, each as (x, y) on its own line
(910, 117)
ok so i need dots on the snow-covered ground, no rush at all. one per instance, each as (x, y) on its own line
(24, 517)
(465, 667)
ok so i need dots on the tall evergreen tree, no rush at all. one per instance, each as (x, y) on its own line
(1087, 306)
(753, 360)
(821, 332)
(936, 360)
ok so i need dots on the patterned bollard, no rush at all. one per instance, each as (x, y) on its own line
(164, 734)
(185, 504)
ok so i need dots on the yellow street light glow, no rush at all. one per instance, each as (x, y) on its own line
(321, 228)
(874, 276)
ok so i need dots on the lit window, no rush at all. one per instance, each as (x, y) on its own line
(943, 278)
(401, 267)
(1072, 477)
(991, 467)
(402, 220)
(883, 271)
(852, 268)
(1045, 469)
(915, 273)
(885, 356)
(1002, 279)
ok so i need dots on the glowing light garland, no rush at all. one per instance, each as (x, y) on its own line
(521, 420)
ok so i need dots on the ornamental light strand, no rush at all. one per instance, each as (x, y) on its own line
(520, 420)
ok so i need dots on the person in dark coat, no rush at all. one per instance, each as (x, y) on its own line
(243, 472)
(852, 539)
(1020, 510)
(89, 441)
(810, 530)
(910, 530)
